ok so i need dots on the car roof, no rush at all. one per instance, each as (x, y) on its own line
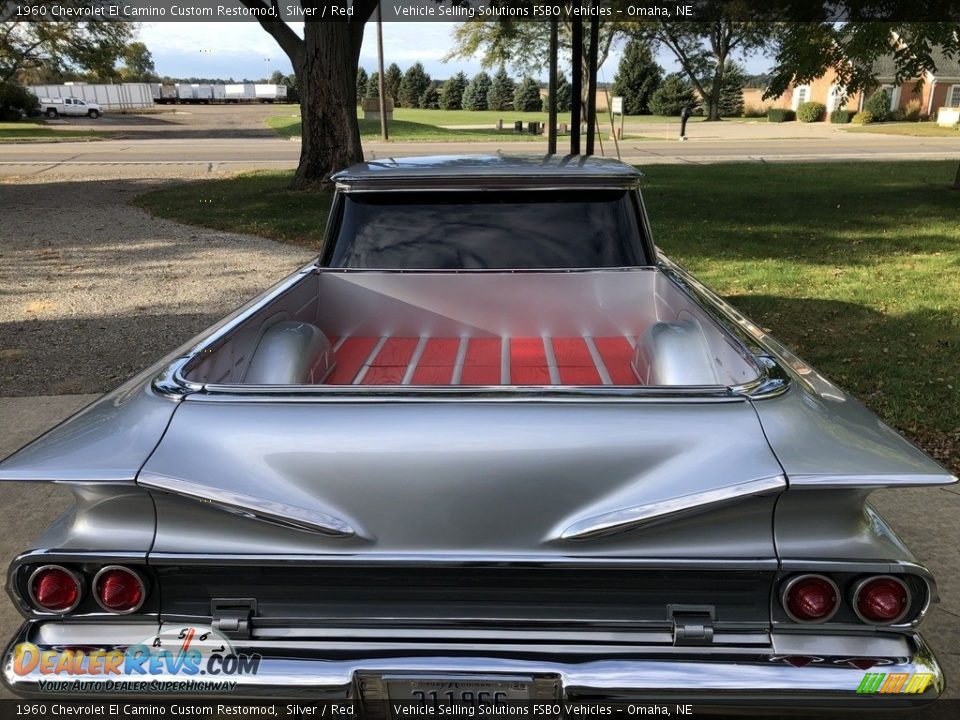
(474, 170)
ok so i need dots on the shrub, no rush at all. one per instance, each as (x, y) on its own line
(864, 117)
(878, 105)
(897, 115)
(754, 112)
(913, 112)
(16, 102)
(811, 112)
(779, 115)
(841, 117)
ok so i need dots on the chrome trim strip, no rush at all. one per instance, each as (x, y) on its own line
(551, 360)
(855, 593)
(823, 482)
(785, 589)
(77, 578)
(504, 360)
(465, 560)
(414, 360)
(358, 380)
(597, 361)
(459, 361)
(253, 507)
(340, 341)
(139, 579)
(639, 516)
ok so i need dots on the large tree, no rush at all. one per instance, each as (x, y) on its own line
(414, 84)
(703, 48)
(392, 77)
(638, 76)
(42, 51)
(325, 61)
(451, 98)
(138, 64)
(475, 96)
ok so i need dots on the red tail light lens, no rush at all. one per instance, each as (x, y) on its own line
(881, 600)
(119, 589)
(810, 598)
(54, 589)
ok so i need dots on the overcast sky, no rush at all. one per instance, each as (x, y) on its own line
(244, 50)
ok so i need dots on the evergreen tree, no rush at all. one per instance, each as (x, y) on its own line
(500, 95)
(362, 81)
(392, 77)
(414, 84)
(475, 96)
(564, 95)
(731, 92)
(430, 100)
(373, 85)
(526, 98)
(451, 98)
(637, 78)
(672, 96)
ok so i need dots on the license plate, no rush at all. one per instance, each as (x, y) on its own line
(459, 690)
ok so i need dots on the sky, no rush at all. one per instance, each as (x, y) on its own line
(244, 50)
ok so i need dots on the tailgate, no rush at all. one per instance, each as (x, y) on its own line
(478, 478)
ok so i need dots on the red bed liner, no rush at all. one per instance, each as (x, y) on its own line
(483, 361)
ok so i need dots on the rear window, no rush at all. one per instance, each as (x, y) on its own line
(519, 230)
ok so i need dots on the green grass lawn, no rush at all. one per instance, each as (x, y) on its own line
(855, 265)
(407, 130)
(924, 129)
(441, 125)
(32, 131)
(257, 203)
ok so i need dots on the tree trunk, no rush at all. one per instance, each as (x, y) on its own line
(956, 180)
(328, 104)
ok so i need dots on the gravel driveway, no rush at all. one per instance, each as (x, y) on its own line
(92, 289)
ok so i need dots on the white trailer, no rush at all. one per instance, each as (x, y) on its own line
(219, 92)
(270, 93)
(163, 94)
(122, 96)
(202, 92)
(240, 92)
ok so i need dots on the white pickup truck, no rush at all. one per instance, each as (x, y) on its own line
(55, 107)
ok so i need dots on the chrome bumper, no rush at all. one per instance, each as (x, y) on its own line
(728, 675)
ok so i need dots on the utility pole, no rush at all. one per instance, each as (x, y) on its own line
(383, 101)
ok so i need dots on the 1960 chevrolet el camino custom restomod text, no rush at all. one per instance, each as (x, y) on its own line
(491, 439)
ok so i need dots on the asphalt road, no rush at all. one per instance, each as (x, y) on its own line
(192, 156)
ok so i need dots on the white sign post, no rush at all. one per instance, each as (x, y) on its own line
(616, 107)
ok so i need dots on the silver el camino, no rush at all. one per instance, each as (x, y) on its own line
(490, 444)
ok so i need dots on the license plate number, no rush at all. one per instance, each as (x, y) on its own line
(465, 690)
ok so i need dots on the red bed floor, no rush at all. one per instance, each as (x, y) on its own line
(483, 361)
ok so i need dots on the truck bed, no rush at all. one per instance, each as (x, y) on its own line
(483, 361)
(616, 327)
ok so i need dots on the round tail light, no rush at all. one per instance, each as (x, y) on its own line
(118, 589)
(881, 600)
(810, 598)
(53, 588)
